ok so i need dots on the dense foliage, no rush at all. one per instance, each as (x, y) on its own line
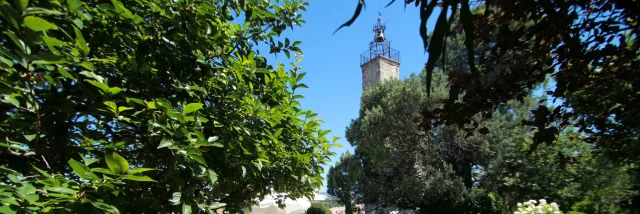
(342, 181)
(317, 208)
(444, 170)
(143, 106)
(589, 47)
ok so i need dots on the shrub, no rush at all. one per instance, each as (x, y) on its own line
(317, 208)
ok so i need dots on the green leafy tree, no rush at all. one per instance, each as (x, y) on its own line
(590, 48)
(152, 106)
(342, 181)
(445, 170)
(405, 167)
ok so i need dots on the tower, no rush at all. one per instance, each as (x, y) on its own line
(380, 62)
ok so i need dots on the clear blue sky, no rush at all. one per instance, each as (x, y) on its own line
(332, 61)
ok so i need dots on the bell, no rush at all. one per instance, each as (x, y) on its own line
(380, 37)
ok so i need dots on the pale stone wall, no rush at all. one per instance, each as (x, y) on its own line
(379, 69)
(370, 73)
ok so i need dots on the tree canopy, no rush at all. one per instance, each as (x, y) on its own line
(590, 49)
(444, 170)
(142, 106)
(342, 181)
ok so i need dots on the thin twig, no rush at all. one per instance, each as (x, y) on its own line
(45, 162)
(18, 154)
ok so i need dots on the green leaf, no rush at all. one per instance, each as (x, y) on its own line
(9, 200)
(65, 73)
(45, 174)
(277, 133)
(80, 42)
(186, 208)
(213, 176)
(103, 87)
(124, 108)
(191, 107)
(436, 45)
(354, 17)
(6, 61)
(114, 90)
(113, 164)
(165, 143)
(32, 198)
(122, 163)
(135, 100)
(14, 178)
(14, 146)
(112, 106)
(11, 100)
(197, 88)
(53, 41)
(6, 209)
(103, 171)
(216, 205)
(107, 208)
(15, 40)
(140, 170)
(88, 65)
(8, 13)
(38, 24)
(58, 195)
(121, 9)
(78, 23)
(198, 158)
(93, 76)
(192, 150)
(29, 137)
(151, 105)
(88, 161)
(300, 76)
(74, 4)
(164, 103)
(40, 11)
(21, 4)
(139, 178)
(82, 170)
(61, 190)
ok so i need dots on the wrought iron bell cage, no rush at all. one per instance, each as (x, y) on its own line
(380, 46)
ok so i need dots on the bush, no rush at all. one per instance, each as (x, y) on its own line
(317, 208)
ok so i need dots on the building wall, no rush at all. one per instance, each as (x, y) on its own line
(379, 69)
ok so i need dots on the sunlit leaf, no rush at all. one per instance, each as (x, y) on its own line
(191, 107)
(139, 178)
(140, 170)
(165, 143)
(38, 24)
(61, 190)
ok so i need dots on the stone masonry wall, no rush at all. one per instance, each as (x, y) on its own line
(379, 69)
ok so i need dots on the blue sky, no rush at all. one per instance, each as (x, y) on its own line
(332, 61)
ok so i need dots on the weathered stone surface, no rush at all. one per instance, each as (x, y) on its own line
(379, 69)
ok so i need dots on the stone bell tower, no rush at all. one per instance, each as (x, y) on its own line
(380, 62)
